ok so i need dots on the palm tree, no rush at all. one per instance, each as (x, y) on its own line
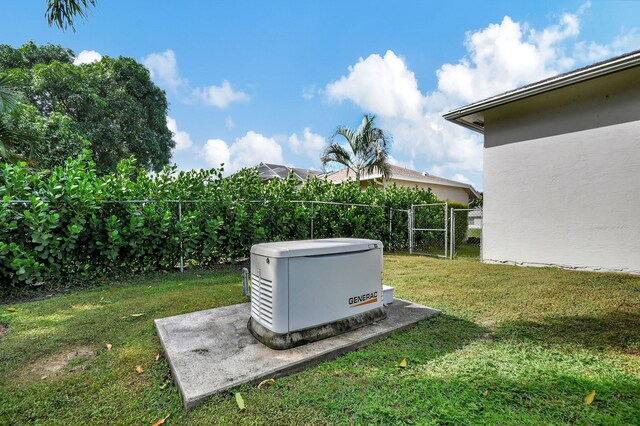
(368, 150)
(10, 137)
(62, 13)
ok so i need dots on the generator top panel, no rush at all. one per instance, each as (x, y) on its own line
(284, 249)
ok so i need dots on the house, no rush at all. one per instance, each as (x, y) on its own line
(444, 189)
(561, 166)
(268, 172)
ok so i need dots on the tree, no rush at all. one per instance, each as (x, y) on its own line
(11, 137)
(29, 55)
(62, 13)
(477, 203)
(111, 104)
(368, 150)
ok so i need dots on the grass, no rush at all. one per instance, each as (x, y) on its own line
(513, 346)
(468, 251)
(474, 233)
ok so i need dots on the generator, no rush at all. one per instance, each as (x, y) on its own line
(303, 291)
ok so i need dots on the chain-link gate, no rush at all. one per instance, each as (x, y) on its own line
(466, 233)
(428, 229)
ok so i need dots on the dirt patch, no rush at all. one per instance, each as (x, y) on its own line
(58, 362)
(3, 330)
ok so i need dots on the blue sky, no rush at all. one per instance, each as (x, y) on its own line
(252, 81)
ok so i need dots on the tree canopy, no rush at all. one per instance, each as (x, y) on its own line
(110, 105)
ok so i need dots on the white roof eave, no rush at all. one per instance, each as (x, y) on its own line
(607, 67)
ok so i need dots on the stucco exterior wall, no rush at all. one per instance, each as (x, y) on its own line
(561, 177)
(444, 193)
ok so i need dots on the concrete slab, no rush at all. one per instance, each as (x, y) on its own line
(212, 351)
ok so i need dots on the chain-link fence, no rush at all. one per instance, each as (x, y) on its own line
(428, 229)
(192, 229)
(466, 233)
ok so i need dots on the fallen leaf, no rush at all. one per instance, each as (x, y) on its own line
(590, 397)
(240, 401)
(157, 357)
(43, 377)
(12, 309)
(162, 420)
(485, 393)
(149, 287)
(108, 346)
(136, 315)
(139, 369)
(267, 382)
(403, 363)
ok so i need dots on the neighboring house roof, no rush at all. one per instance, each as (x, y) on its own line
(401, 173)
(472, 116)
(278, 171)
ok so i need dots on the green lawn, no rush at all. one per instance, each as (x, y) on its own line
(513, 346)
(469, 251)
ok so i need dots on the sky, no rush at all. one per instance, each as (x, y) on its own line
(255, 81)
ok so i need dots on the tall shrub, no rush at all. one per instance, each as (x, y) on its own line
(78, 224)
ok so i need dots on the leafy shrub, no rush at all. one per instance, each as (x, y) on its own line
(79, 225)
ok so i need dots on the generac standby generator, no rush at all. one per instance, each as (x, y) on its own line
(303, 291)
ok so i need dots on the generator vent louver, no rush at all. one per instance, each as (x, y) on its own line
(262, 298)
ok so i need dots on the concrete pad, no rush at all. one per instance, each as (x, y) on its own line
(212, 351)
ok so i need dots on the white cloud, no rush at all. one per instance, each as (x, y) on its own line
(220, 96)
(310, 144)
(216, 152)
(87, 57)
(386, 87)
(500, 57)
(180, 137)
(505, 56)
(594, 52)
(461, 178)
(229, 123)
(383, 85)
(164, 70)
(309, 92)
(247, 151)
(406, 164)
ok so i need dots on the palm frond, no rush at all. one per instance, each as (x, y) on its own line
(350, 135)
(12, 139)
(62, 13)
(9, 94)
(335, 153)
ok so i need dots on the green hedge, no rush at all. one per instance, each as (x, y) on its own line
(77, 225)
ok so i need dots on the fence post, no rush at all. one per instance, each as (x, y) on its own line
(452, 244)
(410, 224)
(446, 231)
(181, 250)
(390, 229)
(312, 220)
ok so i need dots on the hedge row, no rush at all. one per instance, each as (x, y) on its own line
(79, 225)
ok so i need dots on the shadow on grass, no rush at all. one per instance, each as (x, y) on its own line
(451, 364)
(616, 330)
(549, 398)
